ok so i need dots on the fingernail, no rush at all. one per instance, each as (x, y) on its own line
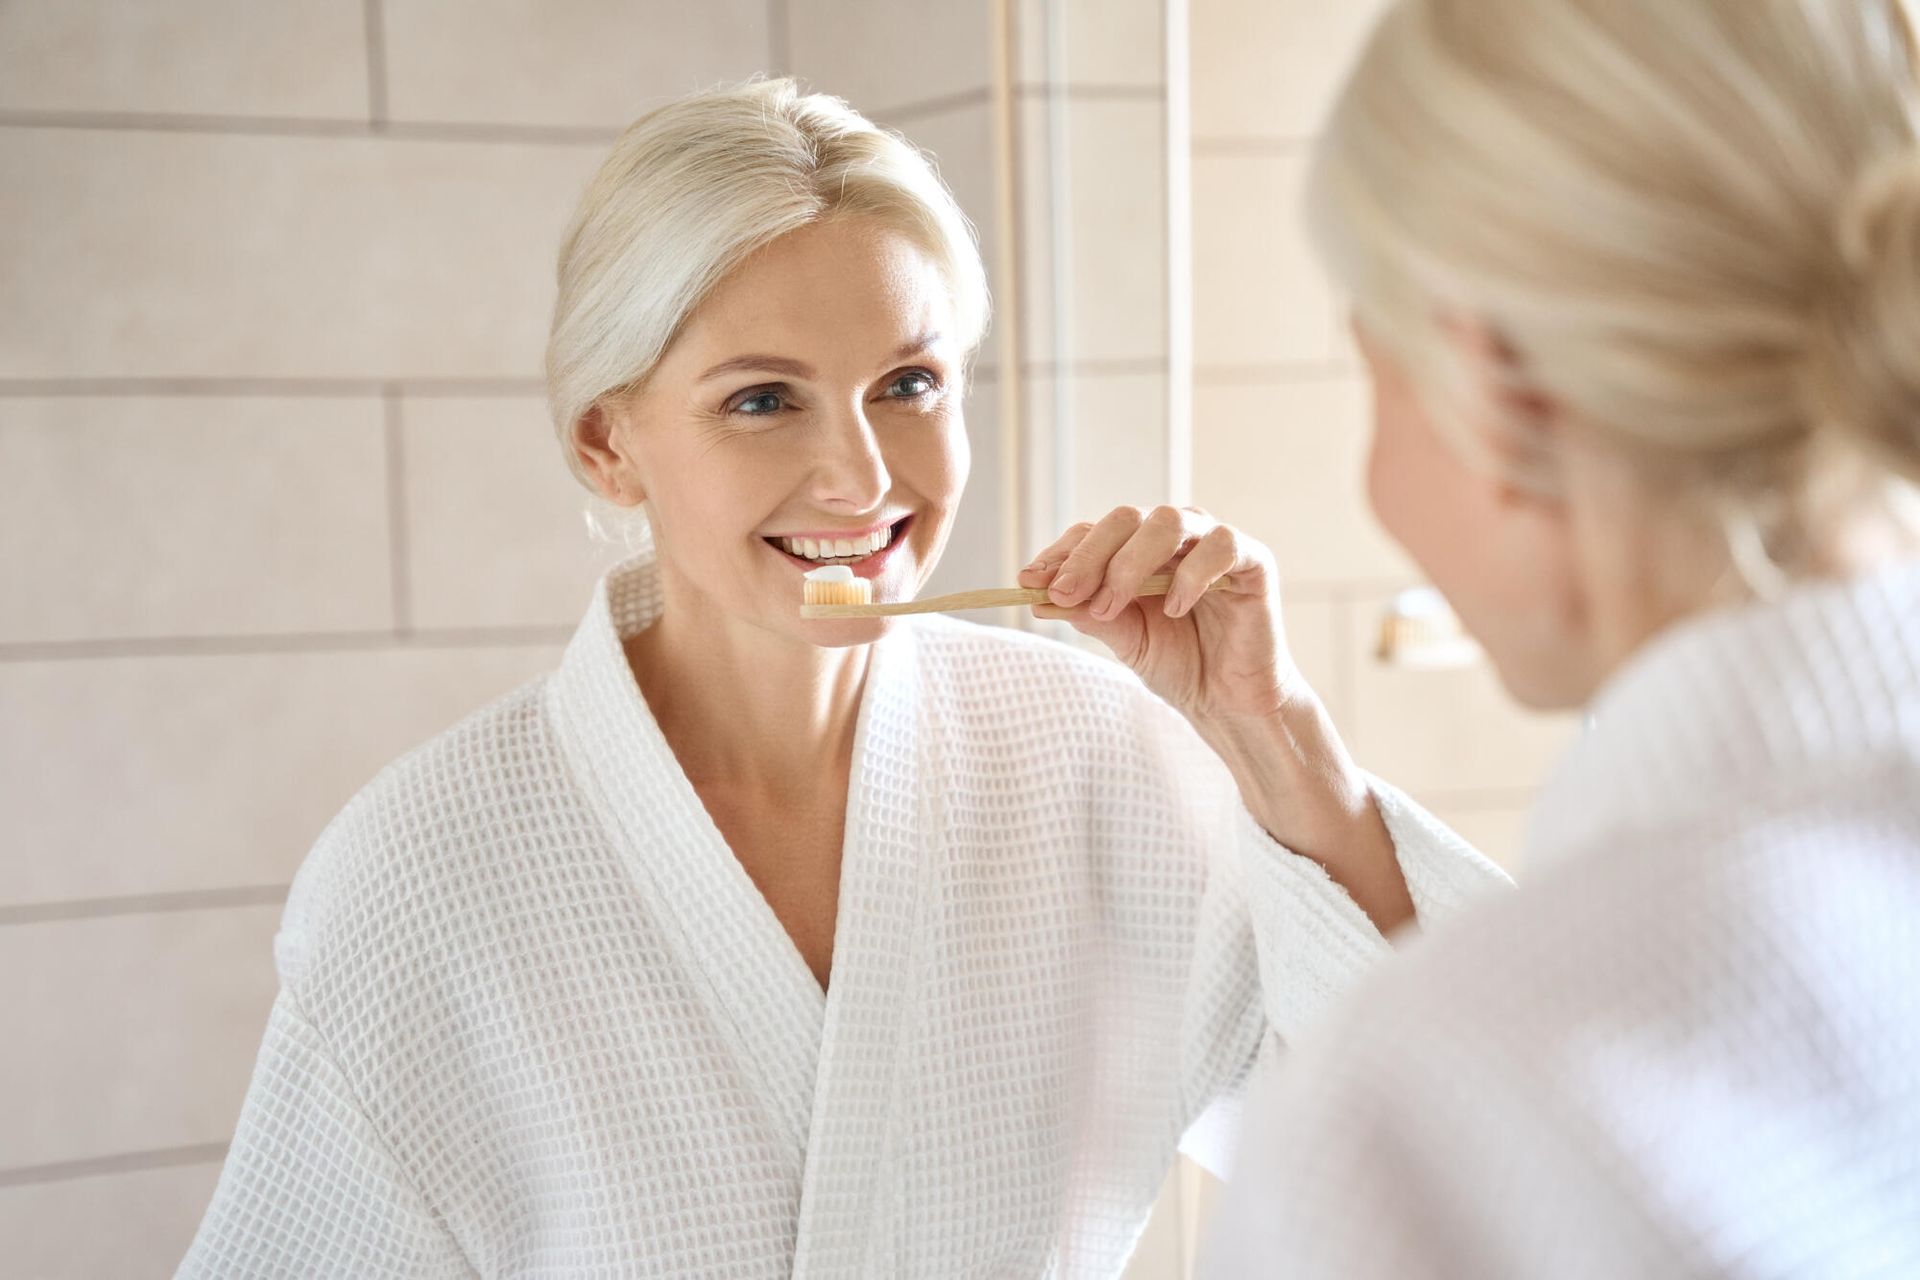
(1065, 584)
(1104, 602)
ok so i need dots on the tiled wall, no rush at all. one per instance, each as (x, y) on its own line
(1280, 410)
(278, 497)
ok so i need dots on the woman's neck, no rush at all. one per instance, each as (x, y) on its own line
(743, 704)
(1671, 572)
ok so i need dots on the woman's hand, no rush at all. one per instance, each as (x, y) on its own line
(1220, 657)
(1218, 654)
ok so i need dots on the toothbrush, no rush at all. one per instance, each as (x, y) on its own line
(833, 592)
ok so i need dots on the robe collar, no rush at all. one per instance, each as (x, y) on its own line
(828, 1066)
(1741, 703)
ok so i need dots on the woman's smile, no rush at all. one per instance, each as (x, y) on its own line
(867, 551)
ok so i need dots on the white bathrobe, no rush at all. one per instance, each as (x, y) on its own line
(1690, 1046)
(535, 1020)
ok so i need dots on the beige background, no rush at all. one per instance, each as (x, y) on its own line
(278, 498)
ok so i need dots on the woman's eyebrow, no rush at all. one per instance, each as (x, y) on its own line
(797, 369)
(759, 364)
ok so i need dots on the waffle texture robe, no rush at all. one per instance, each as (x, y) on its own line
(1690, 1045)
(535, 1020)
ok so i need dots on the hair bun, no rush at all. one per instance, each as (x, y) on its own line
(1864, 376)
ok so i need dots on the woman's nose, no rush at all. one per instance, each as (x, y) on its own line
(851, 472)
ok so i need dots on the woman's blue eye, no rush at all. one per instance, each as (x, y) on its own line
(759, 404)
(909, 385)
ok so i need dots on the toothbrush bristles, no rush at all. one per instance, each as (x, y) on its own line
(858, 591)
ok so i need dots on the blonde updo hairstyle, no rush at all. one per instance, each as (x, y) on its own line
(1695, 224)
(695, 187)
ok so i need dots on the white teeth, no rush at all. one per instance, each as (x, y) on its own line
(839, 548)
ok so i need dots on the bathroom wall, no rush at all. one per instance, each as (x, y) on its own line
(278, 496)
(1280, 411)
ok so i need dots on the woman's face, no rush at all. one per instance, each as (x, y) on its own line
(808, 413)
(1507, 561)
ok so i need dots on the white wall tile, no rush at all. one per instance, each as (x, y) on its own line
(1157, 1254)
(882, 55)
(961, 141)
(975, 556)
(130, 1226)
(563, 62)
(1313, 637)
(1118, 428)
(1498, 833)
(1263, 68)
(1286, 460)
(186, 516)
(1259, 294)
(145, 254)
(142, 1028)
(148, 775)
(496, 534)
(305, 58)
(1113, 179)
(1435, 732)
(1102, 42)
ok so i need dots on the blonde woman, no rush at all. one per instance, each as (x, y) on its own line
(1638, 282)
(746, 946)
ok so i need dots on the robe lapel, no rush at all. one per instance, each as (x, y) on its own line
(759, 993)
(871, 1006)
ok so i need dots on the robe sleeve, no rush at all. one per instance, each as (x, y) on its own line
(1277, 940)
(1389, 1151)
(310, 1188)
(1313, 941)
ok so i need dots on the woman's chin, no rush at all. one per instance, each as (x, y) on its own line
(845, 633)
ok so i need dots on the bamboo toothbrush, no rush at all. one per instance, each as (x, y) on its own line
(833, 592)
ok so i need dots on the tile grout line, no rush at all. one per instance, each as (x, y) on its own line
(314, 387)
(399, 548)
(376, 39)
(1276, 371)
(141, 904)
(513, 388)
(1248, 145)
(312, 127)
(294, 643)
(780, 36)
(125, 1162)
(380, 124)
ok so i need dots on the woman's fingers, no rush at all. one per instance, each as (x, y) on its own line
(1085, 570)
(1106, 568)
(1164, 536)
(1046, 566)
(1222, 552)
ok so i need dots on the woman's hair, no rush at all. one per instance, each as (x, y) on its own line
(692, 189)
(1694, 223)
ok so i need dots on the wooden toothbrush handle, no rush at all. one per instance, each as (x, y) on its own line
(961, 601)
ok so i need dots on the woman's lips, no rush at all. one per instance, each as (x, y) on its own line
(868, 567)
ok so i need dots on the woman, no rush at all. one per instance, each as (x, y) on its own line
(746, 946)
(1638, 282)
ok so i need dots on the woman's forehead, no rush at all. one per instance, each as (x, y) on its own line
(824, 292)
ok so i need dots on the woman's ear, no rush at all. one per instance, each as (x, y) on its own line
(595, 442)
(1525, 424)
